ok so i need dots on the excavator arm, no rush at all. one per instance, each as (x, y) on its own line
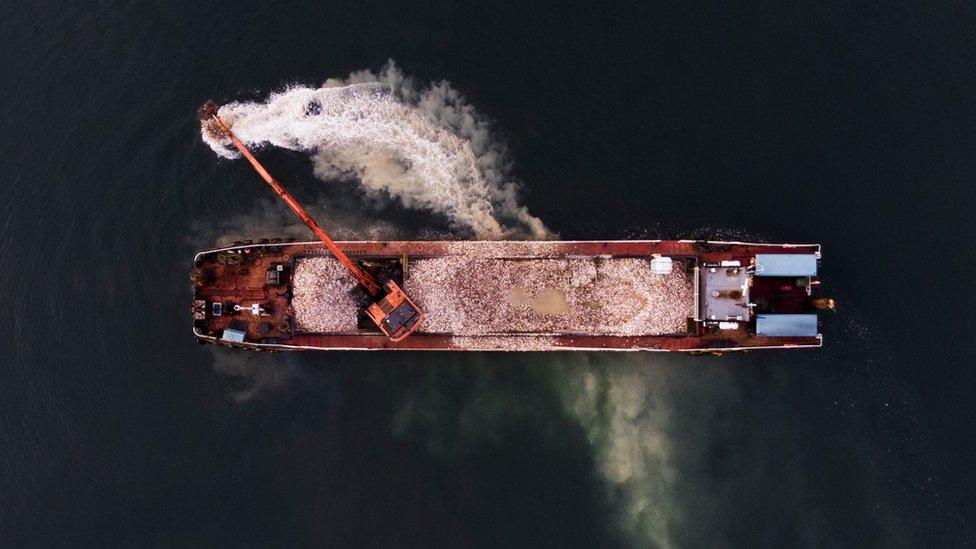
(393, 312)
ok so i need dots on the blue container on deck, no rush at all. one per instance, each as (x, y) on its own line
(786, 325)
(786, 265)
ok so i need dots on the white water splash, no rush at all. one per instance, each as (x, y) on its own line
(427, 147)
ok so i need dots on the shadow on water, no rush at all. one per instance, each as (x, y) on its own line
(475, 449)
(587, 448)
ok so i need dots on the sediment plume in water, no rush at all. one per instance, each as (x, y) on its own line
(423, 146)
(677, 444)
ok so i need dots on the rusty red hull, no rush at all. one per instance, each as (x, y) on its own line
(221, 278)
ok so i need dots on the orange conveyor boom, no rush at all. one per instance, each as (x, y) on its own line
(209, 111)
(386, 306)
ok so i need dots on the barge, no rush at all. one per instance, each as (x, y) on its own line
(634, 295)
(640, 295)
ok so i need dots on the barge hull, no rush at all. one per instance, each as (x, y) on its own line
(246, 282)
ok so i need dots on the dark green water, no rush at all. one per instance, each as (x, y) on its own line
(848, 125)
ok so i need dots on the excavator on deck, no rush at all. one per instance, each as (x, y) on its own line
(389, 307)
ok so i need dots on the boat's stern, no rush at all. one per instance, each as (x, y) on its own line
(760, 296)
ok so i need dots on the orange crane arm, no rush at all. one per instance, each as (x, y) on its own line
(209, 112)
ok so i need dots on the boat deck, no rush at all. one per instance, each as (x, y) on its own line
(478, 296)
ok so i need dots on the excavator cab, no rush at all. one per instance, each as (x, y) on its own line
(395, 314)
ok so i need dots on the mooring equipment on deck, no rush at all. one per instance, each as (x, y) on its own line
(393, 312)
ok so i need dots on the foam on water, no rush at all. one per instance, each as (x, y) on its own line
(425, 146)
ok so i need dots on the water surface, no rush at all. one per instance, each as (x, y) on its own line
(835, 123)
